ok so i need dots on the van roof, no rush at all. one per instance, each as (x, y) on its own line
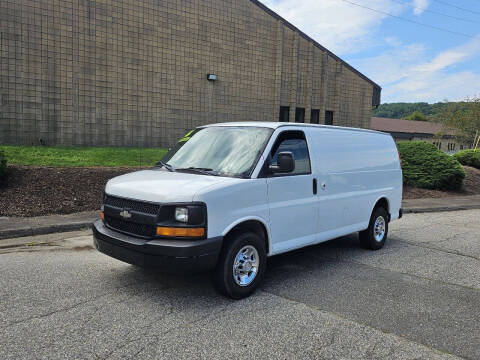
(276, 125)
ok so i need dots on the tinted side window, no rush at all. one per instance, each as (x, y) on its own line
(299, 149)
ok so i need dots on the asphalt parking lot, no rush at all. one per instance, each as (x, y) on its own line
(418, 298)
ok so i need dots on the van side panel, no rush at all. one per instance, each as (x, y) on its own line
(354, 169)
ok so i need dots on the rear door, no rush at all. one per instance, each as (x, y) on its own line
(292, 201)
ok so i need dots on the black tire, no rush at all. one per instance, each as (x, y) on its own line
(223, 275)
(368, 240)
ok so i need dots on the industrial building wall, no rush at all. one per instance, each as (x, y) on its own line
(134, 72)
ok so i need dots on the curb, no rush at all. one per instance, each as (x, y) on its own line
(44, 230)
(440, 209)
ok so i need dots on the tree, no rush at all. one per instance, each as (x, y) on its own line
(464, 117)
(416, 115)
(401, 110)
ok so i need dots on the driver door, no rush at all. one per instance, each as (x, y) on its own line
(292, 200)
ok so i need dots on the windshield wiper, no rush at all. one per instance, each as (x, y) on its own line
(166, 166)
(204, 171)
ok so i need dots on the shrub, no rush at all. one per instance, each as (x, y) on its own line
(469, 158)
(416, 115)
(427, 167)
(3, 165)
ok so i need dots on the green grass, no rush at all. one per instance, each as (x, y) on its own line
(82, 156)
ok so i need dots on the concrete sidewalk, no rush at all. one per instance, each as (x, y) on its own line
(441, 204)
(18, 227)
(12, 227)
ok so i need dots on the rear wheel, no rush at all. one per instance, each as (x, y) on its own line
(375, 236)
(241, 265)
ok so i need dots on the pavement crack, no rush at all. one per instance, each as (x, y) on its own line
(362, 324)
(142, 336)
(391, 351)
(65, 309)
(395, 271)
(199, 320)
(137, 338)
(451, 252)
(145, 330)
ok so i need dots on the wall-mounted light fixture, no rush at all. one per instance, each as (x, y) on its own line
(212, 77)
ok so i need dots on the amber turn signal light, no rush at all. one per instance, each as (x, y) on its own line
(180, 232)
(102, 215)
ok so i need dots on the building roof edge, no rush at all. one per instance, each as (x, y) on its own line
(316, 43)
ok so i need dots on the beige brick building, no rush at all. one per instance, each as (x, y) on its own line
(134, 72)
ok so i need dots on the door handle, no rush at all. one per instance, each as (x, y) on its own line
(315, 187)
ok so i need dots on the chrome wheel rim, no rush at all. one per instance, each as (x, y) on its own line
(245, 265)
(379, 229)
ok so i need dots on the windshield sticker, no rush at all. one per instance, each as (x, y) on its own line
(186, 137)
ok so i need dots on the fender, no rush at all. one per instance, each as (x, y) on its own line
(383, 196)
(249, 218)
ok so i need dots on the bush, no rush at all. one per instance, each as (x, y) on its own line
(416, 115)
(3, 165)
(427, 167)
(469, 158)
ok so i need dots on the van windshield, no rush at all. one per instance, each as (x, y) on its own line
(219, 150)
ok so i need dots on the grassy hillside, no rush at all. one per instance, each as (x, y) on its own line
(82, 156)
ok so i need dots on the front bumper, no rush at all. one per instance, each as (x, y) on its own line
(163, 254)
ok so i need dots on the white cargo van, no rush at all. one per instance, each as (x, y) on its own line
(230, 195)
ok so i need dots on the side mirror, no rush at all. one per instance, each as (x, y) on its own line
(285, 163)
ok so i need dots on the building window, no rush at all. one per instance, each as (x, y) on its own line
(284, 114)
(328, 117)
(438, 145)
(300, 115)
(451, 146)
(315, 116)
(461, 147)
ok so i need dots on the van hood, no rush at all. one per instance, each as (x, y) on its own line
(159, 185)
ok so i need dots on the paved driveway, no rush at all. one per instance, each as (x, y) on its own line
(418, 298)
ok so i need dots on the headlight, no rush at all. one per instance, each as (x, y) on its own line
(181, 214)
(183, 220)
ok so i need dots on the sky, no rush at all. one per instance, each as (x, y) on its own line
(412, 62)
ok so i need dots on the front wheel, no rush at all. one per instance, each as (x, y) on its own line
(241, 265)
(375, 236)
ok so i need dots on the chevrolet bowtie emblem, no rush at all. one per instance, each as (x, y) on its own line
(125, 214)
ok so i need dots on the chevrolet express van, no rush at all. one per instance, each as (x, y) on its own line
(228, 196)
